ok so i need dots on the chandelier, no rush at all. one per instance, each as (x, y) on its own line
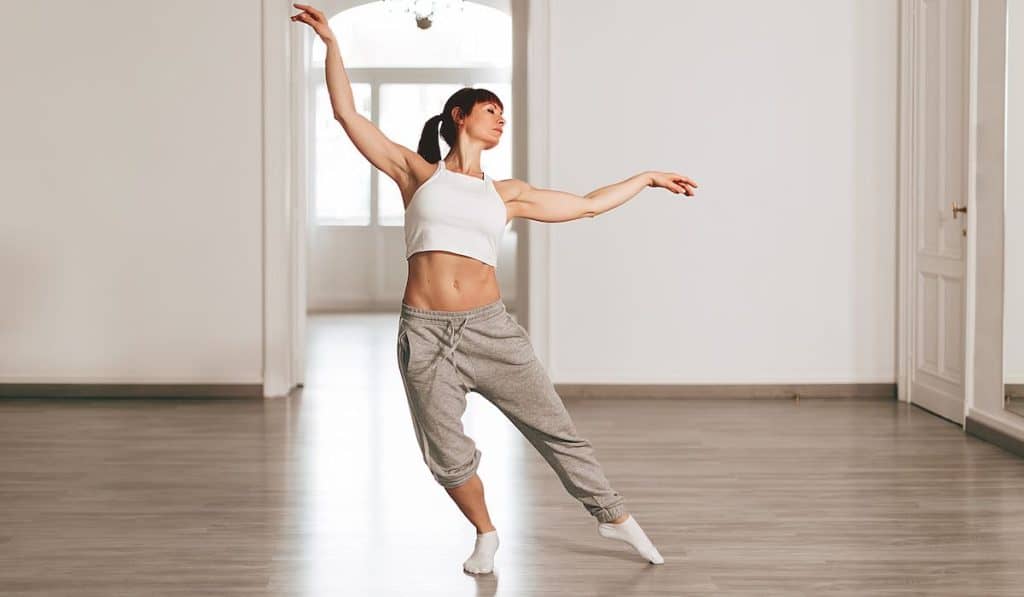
(424, 10)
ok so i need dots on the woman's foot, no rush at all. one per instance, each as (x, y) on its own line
(629, 532)
(481, 561)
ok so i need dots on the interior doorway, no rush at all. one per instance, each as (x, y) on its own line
(934, 191)
(348, 236)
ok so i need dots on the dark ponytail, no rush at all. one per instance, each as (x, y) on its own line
(464, 99)
(429, 146)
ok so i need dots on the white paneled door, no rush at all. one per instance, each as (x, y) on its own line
(939, 200)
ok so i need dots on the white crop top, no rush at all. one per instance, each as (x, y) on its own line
(458, 213)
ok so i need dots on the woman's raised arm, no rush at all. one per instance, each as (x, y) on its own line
(387, 156)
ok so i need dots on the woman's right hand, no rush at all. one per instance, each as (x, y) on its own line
(677, 183)
(315, 19)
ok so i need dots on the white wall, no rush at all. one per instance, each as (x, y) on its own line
(1013, 306)
(130, 187)
(782, 268)
(131, 192)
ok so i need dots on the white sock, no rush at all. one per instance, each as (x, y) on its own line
(481, 561)
(628, 531)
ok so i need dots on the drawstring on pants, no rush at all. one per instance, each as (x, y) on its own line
(453, 342)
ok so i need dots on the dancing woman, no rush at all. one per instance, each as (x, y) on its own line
(454, 334)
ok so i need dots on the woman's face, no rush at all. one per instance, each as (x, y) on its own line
(486, 123)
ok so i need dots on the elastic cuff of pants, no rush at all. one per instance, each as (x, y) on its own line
(456, 481)
(610, 514)
(451, 482)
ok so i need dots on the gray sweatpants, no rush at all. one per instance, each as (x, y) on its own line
(443, 355)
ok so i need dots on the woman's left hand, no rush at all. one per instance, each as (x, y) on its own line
(677, 183)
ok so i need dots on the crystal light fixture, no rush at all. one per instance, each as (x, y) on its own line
(424, 10)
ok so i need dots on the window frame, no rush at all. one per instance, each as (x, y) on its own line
(376, 77)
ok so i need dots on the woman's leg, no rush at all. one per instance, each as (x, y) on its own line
(437, 400)
(509, 374)
(470, 498)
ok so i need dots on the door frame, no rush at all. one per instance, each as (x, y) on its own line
(286, 184)
(983, 304)
(280, 265)
(907, 154)
(988, 119)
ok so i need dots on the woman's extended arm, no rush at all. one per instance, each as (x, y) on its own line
(545, 205)
(609, 197)
(387, 156)
(339, 88)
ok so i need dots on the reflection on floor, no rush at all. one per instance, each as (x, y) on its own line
(325, 493)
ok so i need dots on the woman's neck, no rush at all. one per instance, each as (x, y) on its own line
(459, 164)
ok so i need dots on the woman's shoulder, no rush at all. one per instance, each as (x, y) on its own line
(510, 188)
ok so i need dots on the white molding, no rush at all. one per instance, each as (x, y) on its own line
(383, 74)
(1011, 425)
(333, 7)
(986, 203)
(301, 183)
(970, 296)
(277, 237)
(535, 258)
(907, 152)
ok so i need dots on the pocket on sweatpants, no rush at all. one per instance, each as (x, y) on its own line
(402, 348)
(416, 348)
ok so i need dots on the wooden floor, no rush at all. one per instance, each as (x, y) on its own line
(325, 493)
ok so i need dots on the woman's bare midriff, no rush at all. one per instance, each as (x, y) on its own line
(443, 281)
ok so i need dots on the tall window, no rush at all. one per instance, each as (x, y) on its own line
(401, 76)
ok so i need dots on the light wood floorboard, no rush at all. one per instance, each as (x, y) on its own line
(325, 493)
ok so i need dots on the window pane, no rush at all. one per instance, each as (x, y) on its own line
(374, 35)
(342, 192)
(404, 109)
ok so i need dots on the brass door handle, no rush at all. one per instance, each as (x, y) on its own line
(958, 209)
